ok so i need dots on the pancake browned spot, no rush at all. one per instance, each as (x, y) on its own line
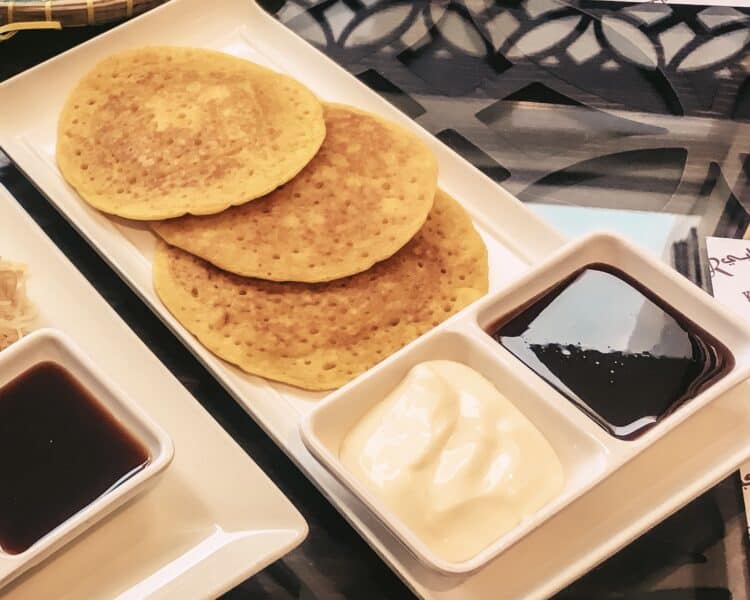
(320, 335)
(364, 195)
(161, 132)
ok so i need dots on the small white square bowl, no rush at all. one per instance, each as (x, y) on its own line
(582, 456)
(49, 345)
(587, 452)
(667, 284)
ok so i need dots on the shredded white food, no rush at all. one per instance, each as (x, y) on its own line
(16, 311)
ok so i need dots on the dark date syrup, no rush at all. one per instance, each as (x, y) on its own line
(613, 348)
(59, 451)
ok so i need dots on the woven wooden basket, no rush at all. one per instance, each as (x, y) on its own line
(54, 14)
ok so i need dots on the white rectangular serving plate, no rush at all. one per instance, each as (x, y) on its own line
(515, 239)
(211, 521)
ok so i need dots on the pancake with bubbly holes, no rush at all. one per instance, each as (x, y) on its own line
(364, 195)
(160, 132)
(318, 336)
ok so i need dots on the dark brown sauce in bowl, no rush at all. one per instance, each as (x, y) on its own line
(613, 348)
(60, 450)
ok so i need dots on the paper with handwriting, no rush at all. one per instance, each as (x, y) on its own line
(729, 268)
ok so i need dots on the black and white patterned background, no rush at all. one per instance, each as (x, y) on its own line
(636, 108)
(623, 106)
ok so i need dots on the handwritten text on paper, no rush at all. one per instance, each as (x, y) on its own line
(729, 267)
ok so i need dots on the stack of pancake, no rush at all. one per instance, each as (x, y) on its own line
(300, 240)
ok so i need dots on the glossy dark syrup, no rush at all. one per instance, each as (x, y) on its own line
(59, 451)
(616, 350)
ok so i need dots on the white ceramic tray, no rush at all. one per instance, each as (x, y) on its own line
(588, 453)
(515, 239)
(213, 518)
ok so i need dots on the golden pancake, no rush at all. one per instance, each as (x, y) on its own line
(160, 132)
(364, 195)
(320, 335)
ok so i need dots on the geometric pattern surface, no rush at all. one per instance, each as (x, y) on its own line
(641, 107)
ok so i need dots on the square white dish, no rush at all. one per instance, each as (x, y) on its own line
(676, 291)
(51, 345)
(214, 518)
(515, 239)
(587, 452)
(582, 455)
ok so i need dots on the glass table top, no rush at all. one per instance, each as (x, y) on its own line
(634, 117)
(631, 117)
